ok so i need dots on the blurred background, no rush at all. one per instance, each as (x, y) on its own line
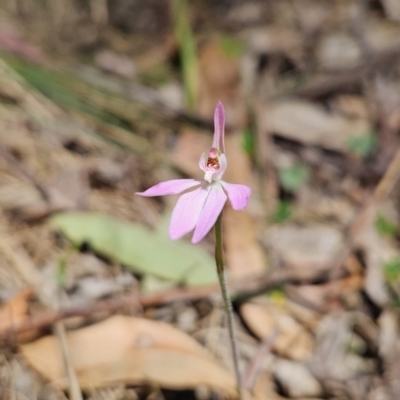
(100, 99)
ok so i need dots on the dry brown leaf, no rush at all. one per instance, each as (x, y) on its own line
(332, 358)
(392, 9)
(274, 40)
(187, 151)
(68, 192)
(313, 16)
(14, 310)
(220, 81)
(130, 350)
(264, 388)
(110, 61)
(338, 51)
(377, 251)
(382, 34)
(265, 319)
(310, 124)
(306, 251)
(243, 253)
(351, 106)
(387, 323)
(296, 379)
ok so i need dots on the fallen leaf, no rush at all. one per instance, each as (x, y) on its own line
(67, 192)
(392, 9)
(264, 319)
(310, 124)
(381, 34)
(138, 248)
(312, 203)
(387, 323)
(220, 77)
(377, 252)
(295, 379)
(264, 388)
(243, 253)
(313, 16)
(305, 250)
(338, 51)
(333, 357)
(351, 106)
(132, 351)
(14, 310)
(110, 61)
(274, 40)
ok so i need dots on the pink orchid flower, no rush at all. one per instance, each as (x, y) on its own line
(200, 208)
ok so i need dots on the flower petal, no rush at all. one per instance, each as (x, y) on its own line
(238, 195)
(212, 208)
(203, 162)
(219, 128)
(174, 186)
(187, 211)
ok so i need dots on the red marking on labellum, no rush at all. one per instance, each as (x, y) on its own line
(212, 160)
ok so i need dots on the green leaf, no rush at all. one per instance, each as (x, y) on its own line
(231, 46)
(138, 248)
(152, 284)
(283, 212)
(187, 50)
(391, 269)
(61, 272)
(293, 177)
(385, 227)
(363, 145)
(277, 296)
(248, 143)
(156, 76)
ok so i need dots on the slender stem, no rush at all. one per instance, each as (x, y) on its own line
(220, 262)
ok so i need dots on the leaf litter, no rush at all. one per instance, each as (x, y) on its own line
(134, 351)
(315, 85)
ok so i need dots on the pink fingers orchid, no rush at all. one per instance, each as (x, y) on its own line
(199, 209)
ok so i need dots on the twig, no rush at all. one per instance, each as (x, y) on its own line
(239, 288)
(381, 192)
(389, 179)
(353, 76)
(255, 364)
(75, 392)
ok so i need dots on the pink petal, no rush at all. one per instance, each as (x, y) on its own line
(174, 186)
(187, 211)
(212, 208)
(219, 128)
(238, 195)
(203, 162)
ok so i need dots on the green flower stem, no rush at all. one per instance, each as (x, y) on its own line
(220, 262)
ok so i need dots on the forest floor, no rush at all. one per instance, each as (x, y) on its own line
(99, 100)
